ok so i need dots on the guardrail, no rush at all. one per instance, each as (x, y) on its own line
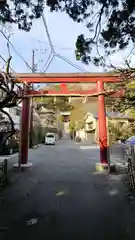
(129, 152)
(3, 172)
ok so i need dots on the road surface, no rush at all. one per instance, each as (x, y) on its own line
(65, 198)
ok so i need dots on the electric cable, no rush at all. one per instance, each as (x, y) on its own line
(53, 51)
(16, 50)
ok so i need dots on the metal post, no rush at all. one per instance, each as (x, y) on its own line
(102, 124)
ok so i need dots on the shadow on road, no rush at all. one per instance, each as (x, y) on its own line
(65, 198)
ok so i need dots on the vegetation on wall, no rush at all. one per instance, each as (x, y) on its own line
(80, 124)
(61, 103)
(125, 103)
(118, 131)
(77, 125)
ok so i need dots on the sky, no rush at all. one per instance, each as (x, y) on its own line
(63, 32)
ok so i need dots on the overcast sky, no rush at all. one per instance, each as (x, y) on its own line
(63, 32)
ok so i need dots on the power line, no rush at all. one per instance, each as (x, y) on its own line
(6, 62)
(53, 51)
(70, 63)
(54, 45)
(46, 61)
(50, 59)
(131, 51)
(16, 50)
(47, 33)
(13, 71)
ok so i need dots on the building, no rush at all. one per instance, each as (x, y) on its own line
(15, 113)
(91, 123)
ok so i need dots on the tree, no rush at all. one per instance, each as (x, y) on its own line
(111, 22)
(61, 103)
(9, 98)
(115, 132)
(80, 124)
(17, 12)
(120, 132)
(126, 102)
(72, 125)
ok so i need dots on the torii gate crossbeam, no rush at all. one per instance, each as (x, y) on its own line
(63, 79)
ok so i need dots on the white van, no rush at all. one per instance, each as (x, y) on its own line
(50, 139)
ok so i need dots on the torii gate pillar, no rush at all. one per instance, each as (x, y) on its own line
(24, 132)
(102, 128)
(99, 79)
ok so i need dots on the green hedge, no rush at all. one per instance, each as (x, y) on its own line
(39, 132)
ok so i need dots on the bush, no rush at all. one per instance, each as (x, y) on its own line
(39, 132)
(121, 132)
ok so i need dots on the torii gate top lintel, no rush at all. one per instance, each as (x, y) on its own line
(66, 77)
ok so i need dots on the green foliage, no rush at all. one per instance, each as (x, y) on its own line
(124, 103)
(72, 125)
(118, 131)
(39, 132)
(76, 125)
(117, 32)
(80, 124)
(16, 11)
(61, 103)
(132, 113)
(35, 131)
(111, 23)
(115, 132)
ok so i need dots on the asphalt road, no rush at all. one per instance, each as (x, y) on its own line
(65, 198)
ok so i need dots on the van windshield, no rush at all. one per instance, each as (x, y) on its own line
(50, 136)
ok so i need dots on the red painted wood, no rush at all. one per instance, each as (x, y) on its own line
(24, 143)
(66, 77)
(67, 80)
(63, 87)
(102, 124)
(66, 92)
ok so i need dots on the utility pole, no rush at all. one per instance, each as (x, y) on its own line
(31, 114)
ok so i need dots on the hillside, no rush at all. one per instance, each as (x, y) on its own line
(80, 108)
(70, 86)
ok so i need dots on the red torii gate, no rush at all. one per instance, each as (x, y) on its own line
(63, 79)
